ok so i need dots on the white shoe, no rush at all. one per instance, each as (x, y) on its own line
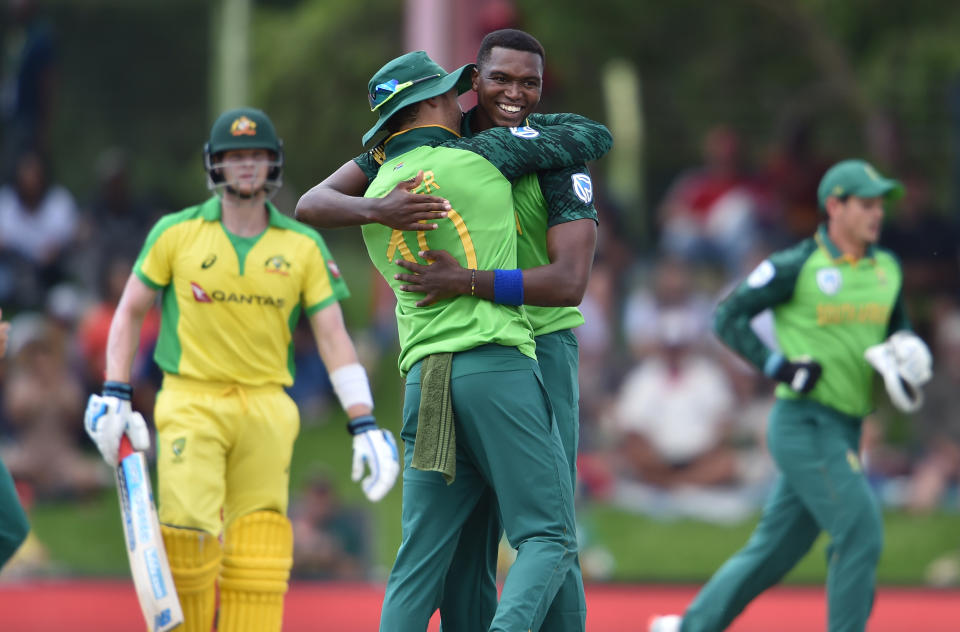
(667, 623)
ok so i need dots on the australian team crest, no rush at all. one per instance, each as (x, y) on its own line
(582, 187)
(243, 127)
(829, 280)
(524, 132)
(277, 264)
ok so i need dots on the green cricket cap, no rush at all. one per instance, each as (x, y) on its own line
(859, 178)
(408, 79)
(243, 128)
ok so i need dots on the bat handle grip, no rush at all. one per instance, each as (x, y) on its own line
(126, 448)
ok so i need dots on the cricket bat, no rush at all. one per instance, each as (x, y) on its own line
(141, 530)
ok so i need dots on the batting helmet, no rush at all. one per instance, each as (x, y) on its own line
(243, 128)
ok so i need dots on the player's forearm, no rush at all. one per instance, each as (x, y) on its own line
(339, 356)
(325, 207)
(557, 284)
(733, 327)
(122, 343)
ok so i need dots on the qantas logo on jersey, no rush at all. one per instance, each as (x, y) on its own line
(334, 269)
(219, 296)
(199, 294)
(582, 187)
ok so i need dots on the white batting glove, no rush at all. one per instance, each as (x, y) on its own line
(109, 416)
(375, 448)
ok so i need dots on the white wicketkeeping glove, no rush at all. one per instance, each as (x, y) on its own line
(905, 364)
(109, 416)
(375, 448)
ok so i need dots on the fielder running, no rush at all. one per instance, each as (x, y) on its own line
(836, 301)
(234, 276)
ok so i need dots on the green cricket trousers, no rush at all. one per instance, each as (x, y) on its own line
(470, 592)
(507, 442)
(820, 487)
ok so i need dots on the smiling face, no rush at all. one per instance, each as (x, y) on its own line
(508, 87)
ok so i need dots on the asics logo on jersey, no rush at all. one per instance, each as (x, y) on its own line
(582, 187)
(199, 294)
(209, 261)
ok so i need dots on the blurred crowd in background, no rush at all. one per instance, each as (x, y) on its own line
(672, 424)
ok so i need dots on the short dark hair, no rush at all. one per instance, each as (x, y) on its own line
(512, 39)
(402, 117)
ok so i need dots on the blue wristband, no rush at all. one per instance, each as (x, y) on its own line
(361, 424)
(508, 287)
(120, 390)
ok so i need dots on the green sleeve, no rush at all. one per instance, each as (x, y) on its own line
(898, 317)
(569, 194)
(771, 283)
(516, 151)
(370, 161)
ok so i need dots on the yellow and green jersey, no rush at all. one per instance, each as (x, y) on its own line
(541, 200)
(827, 306)
(475, 175)
(229, 303)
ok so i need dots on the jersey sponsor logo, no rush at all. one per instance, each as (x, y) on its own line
(199, 294)
(277, 264)
(334, 269)
(524, 132)
(248, 299)
(582, 187)
(243, 127)
(829, 280)
(836, 314)
(762, 274)
(209, 261)
(399, 165)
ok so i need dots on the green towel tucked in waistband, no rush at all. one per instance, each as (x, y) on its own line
(435, 448)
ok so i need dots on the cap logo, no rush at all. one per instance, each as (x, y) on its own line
(837, 190)
(243, 127)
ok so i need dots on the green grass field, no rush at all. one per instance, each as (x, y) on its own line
(86, 538)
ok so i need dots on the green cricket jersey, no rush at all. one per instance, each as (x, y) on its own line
(475, 175)
(826, 306)
(541, 201)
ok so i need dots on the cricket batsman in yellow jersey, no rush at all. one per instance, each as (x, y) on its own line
(233, 275)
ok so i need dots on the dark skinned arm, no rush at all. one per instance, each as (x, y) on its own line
(338, 201)
(561, 283)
